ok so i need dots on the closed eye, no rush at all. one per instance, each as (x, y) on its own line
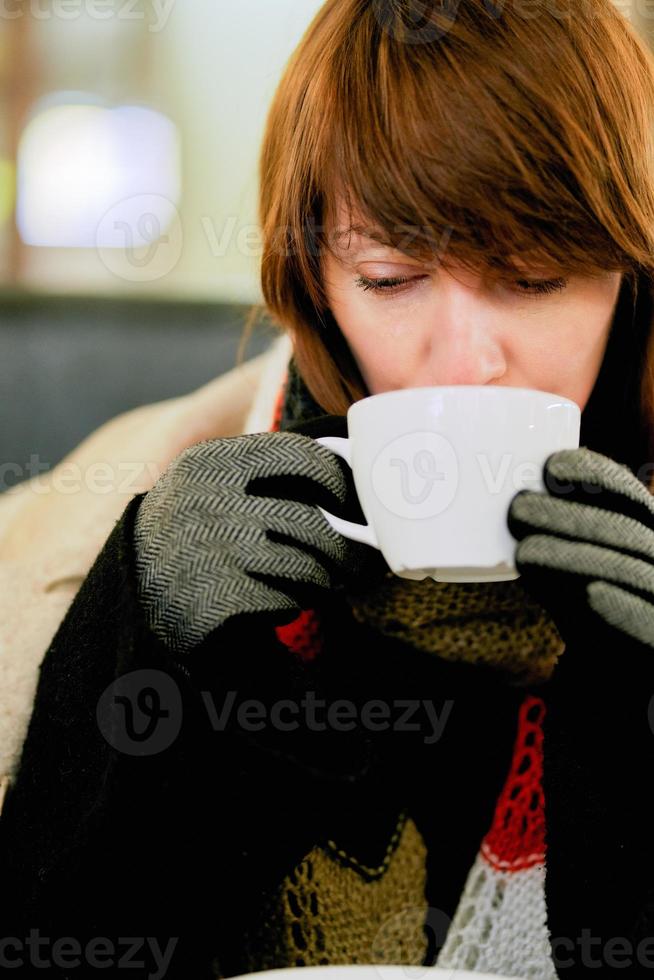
(525, 287)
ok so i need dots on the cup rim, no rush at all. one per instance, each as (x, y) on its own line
(485, 391)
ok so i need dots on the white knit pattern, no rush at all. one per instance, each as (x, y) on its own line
(500, 924)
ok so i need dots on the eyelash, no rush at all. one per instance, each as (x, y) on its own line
(540, 287)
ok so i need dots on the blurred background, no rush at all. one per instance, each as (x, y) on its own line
(129, 242)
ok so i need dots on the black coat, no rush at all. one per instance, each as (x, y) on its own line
(177, 834)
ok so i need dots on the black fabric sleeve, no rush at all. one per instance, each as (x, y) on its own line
(138, 810)
(599, 756)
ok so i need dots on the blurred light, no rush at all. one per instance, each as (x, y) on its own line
(7, 189)
(78, 161)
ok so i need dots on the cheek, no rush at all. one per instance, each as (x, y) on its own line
(383, 365)
(583, 380)
(387, 359)
(569, 361)
(386, 351)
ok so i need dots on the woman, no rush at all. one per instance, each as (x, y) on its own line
(462, 199)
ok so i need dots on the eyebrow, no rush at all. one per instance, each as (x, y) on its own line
(371, 234)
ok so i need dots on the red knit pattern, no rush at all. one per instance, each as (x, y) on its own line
(516, 839)
(303, 635)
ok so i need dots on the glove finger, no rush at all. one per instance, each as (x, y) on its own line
(237, 461)
(300, 489)
(293, 466)
(284, 560)
(585, 476)
(623, 610)
(298, 523)
(308, 526)
(531, 512)
(212, 583)
(581, 561)
(245, 521)
(244, 546)
(352, 564)
(305, 595)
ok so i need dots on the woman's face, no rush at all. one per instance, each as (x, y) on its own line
(448, 327)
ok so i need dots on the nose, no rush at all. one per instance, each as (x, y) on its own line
(465, 354)
(463, 343)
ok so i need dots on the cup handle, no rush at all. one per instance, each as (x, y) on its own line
(356, 532)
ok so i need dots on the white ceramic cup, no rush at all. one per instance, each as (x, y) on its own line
(435, 470)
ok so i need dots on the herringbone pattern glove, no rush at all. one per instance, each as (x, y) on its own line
(586, 546)
(232, 527)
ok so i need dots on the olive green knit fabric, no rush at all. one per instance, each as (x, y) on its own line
(493, 623)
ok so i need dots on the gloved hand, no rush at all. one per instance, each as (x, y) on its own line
(232, 527)
(586, 546)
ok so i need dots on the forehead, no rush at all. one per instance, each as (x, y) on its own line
(353, 242)
(348, 230)
(352, 236)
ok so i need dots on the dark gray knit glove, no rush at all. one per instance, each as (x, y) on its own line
(586, 546)
(232, 526)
